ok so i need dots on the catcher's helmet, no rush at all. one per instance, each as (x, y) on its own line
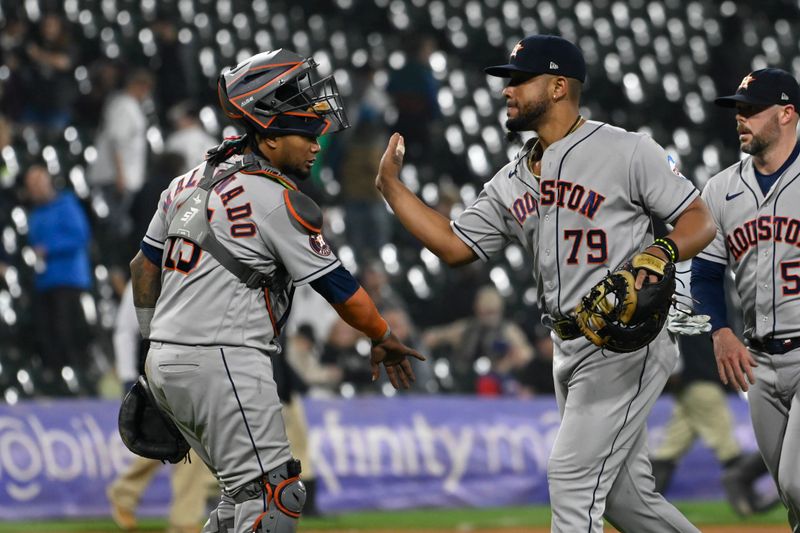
(274, 93)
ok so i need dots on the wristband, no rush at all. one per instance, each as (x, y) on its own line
(144, 315)
(385, 336)
(669, 247)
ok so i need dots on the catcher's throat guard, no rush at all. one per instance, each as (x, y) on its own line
(146, 430)
(617, 317)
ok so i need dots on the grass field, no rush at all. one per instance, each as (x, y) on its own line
(708, 516)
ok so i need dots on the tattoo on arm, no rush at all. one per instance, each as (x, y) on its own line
(146, 281)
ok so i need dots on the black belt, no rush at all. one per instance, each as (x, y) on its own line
(566, 328)
(774, 346)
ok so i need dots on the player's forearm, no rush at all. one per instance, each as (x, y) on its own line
(146, 281)
(359, 312)
(693, 230)
(708, 291)
(426, 224)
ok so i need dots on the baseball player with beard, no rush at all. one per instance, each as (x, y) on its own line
(754, 204)
(578, 198)
(213, 286)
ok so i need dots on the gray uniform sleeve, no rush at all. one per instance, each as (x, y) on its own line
(482, 226)
(716, 250)
(157, 230)
(656, 182)
(305, 255)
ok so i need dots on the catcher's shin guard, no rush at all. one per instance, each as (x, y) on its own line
(284, 495)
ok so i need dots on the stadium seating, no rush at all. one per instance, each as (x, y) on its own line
(654, 66)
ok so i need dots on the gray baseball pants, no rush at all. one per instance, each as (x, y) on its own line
(775, 412)
(225, 402)
(599, 464)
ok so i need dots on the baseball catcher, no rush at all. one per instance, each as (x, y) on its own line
(618, 316)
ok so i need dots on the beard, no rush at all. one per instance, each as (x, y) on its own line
(762, 142)
(529, 118)
(756, 146)
(300, 172)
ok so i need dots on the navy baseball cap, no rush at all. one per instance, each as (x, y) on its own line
(543, 54)
(768, 86)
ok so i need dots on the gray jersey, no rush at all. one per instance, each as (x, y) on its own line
(201, 302)
(759, 237)
(588, 213)
(596, 205)
(506, 210)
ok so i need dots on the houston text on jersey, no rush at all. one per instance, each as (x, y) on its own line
(763, 228)
(571, 195)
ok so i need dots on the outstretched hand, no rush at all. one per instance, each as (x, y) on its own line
(394, 356)
(391, 161)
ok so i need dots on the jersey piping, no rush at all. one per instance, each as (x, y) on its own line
(558, 210)
(744, 181)
(774, 254)
(683, 202)
(484, 255)
(624, 423)
(320, 272)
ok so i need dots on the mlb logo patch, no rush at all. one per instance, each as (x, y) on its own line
(673, 165)
(318, 245)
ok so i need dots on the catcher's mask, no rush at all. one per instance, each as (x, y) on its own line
(274, 93)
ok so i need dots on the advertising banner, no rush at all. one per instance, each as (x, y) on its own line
(57, 458)
(378, 453)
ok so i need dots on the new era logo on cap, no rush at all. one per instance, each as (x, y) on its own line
(784, 96)
(553, 65)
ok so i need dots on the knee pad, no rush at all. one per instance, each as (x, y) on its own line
(285, 496)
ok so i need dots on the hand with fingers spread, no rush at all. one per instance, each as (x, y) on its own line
(735, 363)
(394, 356)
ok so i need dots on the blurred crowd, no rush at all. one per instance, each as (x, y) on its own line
(90, 139)
(102, 104)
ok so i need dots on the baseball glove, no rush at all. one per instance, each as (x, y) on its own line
(614, 315)
(145, 430)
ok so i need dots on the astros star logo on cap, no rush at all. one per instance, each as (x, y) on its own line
(516, 49)
(746, 81)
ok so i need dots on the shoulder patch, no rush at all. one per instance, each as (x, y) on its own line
(673, 165)
(303, 210)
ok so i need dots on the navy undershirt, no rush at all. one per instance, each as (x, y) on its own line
(766, 181)
(708, 290)
(152, 253)
(337, 286)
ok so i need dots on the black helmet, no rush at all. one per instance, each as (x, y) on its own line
(274, 93)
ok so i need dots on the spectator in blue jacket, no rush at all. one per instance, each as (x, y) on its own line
(59, 234)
